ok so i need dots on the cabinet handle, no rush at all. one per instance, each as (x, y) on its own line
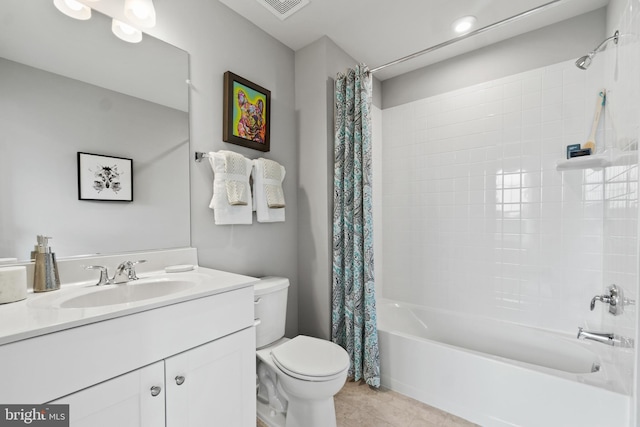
(155, 390)
(179, 379)
(257, 300)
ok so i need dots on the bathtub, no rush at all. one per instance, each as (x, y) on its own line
(497, 374)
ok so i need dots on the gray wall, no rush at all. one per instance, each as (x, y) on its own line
(549, 45)
(219, 40)
(316, 67)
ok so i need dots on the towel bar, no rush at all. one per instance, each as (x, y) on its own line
(200, 155)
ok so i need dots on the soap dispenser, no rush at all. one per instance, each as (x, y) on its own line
(45, 277)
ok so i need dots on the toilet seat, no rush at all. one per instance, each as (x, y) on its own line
(310, 359)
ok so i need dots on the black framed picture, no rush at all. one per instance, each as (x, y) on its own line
(105, 178)
(246, 113)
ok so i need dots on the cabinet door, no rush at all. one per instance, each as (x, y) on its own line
(214, 384)
(124, 401)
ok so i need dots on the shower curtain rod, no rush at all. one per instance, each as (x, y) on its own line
(466, 36)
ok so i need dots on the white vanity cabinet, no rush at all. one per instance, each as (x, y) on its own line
(136, 399)
(208, 385)
(200, 387)
(105, 370)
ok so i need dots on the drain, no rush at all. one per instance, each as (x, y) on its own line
(595, 367)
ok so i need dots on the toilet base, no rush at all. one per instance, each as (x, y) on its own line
(269, 417)
(315, 413)
(300, 414)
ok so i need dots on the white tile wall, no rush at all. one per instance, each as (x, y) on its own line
(475, 216)
(620, 257)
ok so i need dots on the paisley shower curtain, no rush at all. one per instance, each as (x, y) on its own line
(353, 300)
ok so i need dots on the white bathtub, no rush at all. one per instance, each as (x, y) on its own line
(496, 374)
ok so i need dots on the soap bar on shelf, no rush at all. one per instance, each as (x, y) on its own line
(570, 148)
(579, 153)
(13, 284)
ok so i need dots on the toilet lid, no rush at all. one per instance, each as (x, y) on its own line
(305, 356)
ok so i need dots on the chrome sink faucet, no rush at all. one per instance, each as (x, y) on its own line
(124, 272)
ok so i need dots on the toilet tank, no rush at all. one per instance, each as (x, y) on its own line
(270, 306)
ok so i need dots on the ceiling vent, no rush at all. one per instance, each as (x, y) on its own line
(283, 8)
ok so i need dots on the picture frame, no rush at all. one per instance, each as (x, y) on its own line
(105, 178)
(246, 113)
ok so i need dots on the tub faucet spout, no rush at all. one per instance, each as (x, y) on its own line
(603, 337)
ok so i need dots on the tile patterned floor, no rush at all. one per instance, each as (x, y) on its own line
(358, 405)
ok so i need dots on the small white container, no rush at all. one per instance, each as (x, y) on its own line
(13, 284)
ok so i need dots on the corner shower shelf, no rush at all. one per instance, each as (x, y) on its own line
(610, 157)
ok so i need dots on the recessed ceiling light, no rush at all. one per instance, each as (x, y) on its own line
(464, 24)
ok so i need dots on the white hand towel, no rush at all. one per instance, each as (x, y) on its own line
(236, 169)
(267, 184)
(273, 176)
(224, 212)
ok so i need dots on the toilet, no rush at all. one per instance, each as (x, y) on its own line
(298, 377)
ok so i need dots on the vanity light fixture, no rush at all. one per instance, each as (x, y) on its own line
(464, 24)
(126, 32)
(140, 13)
(73, 8)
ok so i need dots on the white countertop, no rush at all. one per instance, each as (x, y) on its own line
(40, 313)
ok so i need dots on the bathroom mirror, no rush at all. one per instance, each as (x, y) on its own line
(69, 86)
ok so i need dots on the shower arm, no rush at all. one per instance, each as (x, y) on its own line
(614, 37)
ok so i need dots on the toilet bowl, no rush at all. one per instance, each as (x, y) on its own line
(297, 378)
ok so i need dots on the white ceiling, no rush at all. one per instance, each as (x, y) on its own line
(377, 32)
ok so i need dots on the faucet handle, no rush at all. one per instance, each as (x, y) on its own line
(104, 275)
(603, 298)
(132, 270)
(615, 299)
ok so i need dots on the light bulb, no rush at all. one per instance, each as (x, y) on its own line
(73, 8)
(74, 5)
(125, 31)
(140, 13)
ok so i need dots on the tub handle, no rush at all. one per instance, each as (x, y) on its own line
(602, 298)
(615, 299)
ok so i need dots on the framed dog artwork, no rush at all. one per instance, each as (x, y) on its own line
(246, 113)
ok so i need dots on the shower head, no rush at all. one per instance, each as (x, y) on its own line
(585, 61)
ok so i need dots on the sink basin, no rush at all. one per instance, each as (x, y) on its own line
(128, 292)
